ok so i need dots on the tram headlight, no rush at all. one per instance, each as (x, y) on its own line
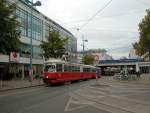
(46, 76)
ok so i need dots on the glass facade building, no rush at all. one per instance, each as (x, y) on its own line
(40, 30)
(24, 18)
(37, 28)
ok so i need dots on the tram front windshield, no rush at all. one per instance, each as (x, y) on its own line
(50, 68)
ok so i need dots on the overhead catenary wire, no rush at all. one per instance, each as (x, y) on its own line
(103, 17)
(90, 19)
(123, 31)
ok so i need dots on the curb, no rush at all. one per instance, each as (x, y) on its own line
(24, 87)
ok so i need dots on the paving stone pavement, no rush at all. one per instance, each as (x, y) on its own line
(15, 84)
(114, 96)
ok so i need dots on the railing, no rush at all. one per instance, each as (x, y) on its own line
(125, 77)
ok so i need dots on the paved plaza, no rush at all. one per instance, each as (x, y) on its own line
(15, 84)
(102, 96)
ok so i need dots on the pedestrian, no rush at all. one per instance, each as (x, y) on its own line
(138, 74)
(98, 73)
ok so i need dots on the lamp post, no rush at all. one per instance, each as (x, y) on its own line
(83, 43)
(37, 3)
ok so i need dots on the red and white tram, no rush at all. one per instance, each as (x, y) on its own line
(57, 71)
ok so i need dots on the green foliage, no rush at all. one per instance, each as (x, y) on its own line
(138, 48)
(143, 46)
(9, 37)
(54, 47)
(88, 59)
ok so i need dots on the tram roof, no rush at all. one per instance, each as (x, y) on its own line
(64, 62)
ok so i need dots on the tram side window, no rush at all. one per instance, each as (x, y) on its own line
(77, 69)
(66, 68)
(71, 68)
(94, 70)
(89, 70)
(59, 67)
(86, 70)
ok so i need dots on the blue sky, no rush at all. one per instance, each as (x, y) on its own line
(115, 28)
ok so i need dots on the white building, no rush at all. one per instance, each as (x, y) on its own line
(98, 54)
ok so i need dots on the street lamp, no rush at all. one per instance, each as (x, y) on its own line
(83, 40)
(37, 3)
(83, 43)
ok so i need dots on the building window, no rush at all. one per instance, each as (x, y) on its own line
(37, 52)
(37, 28)
(47, 29)
(24, 50)
(22, 17)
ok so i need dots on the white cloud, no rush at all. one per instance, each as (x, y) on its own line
(115, 28)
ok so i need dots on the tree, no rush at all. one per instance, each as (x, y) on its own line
(54, 47)
(88, 59)
(142, 47)
(138, 49)
(9, 36)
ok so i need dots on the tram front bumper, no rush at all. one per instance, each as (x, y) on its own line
(48, 80)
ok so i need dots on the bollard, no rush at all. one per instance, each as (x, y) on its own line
(1, 80)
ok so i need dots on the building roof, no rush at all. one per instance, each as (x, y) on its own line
(119, 61)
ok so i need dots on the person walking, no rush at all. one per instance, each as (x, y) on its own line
(138, 75)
